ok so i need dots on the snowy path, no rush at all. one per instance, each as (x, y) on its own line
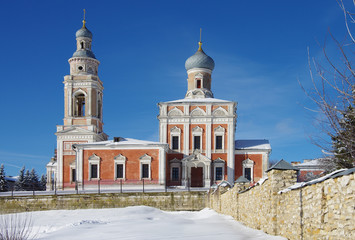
(139, 222)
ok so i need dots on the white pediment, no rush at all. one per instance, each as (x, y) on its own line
(119, 157)
(175, 112)
(219, 112)
(146, 157)
(219, 160)
(175, 129)
(219, 129)
(248, 162)
(197, 129)
(175, 160)
(94, 157)
(198, 112)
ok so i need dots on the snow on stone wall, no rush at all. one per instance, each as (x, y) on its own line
(325, 210)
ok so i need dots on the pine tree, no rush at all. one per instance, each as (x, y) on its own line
(33, 180)
(43, 182)
(27, 181)
(344, 142)
(20, 182)
(3, 182)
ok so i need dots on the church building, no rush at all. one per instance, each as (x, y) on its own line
(197, 141)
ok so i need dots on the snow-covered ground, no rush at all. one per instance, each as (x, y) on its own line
(139, 222)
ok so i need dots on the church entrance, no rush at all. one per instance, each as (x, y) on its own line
(197, 177)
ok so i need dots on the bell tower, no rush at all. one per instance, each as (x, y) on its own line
(83, 95)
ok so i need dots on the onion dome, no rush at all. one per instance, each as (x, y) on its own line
(199, 60)
(83, 32)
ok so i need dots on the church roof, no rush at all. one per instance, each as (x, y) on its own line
(84, 53)
(83, 32)
(282, 165)
(200, 100)
(122, 142)
(199, 60)
(242, 179)
(249, 144)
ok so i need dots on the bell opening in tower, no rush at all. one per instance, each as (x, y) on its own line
(79, 108)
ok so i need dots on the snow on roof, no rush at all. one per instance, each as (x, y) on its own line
(124, 141)
(203, 100)
(335, 174)
(314, 162)
(259, 144)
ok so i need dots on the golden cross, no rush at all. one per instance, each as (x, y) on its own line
(84, 18)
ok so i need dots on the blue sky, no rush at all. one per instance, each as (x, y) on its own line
(259, 48)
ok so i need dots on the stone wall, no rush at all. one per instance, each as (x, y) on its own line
(323, 210)
(173, 201)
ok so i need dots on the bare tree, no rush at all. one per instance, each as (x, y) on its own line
(333, 92)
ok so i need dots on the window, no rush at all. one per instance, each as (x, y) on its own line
(219, 133)
(82, 45)
(94, 167)
(175, 174)
(219, 142)
(219, 173)
(247, 173)
(197, 142)
(119, 171)
(175, 134)
(73, 175)
(248, 169)
(94, 171)
(145, 166)
(198, 83)
(175, 143)
(218, 166)
(79, 105)
(145, 170)
(120, 166)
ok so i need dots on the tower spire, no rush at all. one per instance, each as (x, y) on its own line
(200, 42)
(84, 19)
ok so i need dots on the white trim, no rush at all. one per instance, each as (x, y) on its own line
(175, 163)
(175, 132)
(197, 131)
(219, 131)
(94, 159)
(218, 163)
(248, 163)
(145, 159)
(120, 159)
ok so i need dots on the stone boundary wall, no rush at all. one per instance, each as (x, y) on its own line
(325, 210)
(173, 201)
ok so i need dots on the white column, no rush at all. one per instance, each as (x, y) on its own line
(230, 147)
(186, 137)
(162, 167)
(59, 179)
(208, 138)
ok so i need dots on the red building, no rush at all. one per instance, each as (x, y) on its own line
(197, 144)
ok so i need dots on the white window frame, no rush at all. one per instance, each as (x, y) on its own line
(197, 131)
(219, 162)
(175, 163)
(145, 159)
(120, 159)
(248, 163)
(175, 132)
(94, 159)
(219, 131)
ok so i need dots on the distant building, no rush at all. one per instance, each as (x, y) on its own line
(197, 144)
(309, 169)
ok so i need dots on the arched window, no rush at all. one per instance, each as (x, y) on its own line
(82, 45)
(79, 105)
